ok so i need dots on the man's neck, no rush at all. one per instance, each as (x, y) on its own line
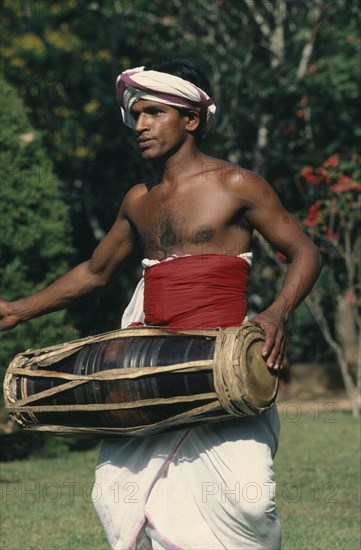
(185, 161)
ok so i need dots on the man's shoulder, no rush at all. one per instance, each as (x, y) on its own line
(132, 198)
(233, 176)
(135, 193)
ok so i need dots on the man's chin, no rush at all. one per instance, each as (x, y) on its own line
(149, 154)
(156, 154)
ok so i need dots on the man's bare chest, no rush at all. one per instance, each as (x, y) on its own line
(172, 222)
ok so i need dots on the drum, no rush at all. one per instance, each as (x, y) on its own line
(140, 381)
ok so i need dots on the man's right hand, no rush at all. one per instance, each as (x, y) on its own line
(8, 318)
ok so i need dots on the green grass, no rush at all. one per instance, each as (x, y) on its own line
(318, 474)
(45, 503)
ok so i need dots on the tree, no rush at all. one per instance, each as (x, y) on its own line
(63, 59)
(34, 226)
(284, 77)
(333, 221)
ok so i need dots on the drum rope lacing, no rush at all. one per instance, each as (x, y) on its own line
(229, 397)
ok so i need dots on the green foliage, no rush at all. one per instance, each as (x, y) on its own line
(286, 72)
(304, 339)
(63, 58)
(34, 226)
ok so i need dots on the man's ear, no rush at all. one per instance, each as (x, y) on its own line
(193, 120)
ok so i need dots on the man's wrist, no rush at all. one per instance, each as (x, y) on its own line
(17, 312)
(280, 310)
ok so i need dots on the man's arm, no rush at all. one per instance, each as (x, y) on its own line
(115, 248)
(266, 214)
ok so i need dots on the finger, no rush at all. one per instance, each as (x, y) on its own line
(279, 360)
(281, 356)
(270, 338)
(275, 358)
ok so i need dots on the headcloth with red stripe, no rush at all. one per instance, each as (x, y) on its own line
(137, 83)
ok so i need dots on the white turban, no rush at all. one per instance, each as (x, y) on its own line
(138, 83)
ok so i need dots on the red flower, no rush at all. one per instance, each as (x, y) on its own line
(306, 171)
(313, 215)
(350, 297)
(330, 235)
(290, 129)
(346, 179)
(331, 161)
(311, 178)
(345, 183)
(310, 223)
(281, 256)
(313, 210)
(339, 187)
(324, 173)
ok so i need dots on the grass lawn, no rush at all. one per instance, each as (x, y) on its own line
(318, 474)
(45, 504)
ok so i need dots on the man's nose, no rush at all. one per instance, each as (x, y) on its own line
(141, 123)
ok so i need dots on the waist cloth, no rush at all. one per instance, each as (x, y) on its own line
(207, 487)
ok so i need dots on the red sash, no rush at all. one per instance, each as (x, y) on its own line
(196, 292)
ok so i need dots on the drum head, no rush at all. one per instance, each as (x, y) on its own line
(260, 383)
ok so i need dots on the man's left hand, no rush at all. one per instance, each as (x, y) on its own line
(273, 325)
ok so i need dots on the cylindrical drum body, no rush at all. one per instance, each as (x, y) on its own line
(131, 382)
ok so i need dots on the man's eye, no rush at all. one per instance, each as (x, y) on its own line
(151, 111)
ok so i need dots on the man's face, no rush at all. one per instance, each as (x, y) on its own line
(161, 129)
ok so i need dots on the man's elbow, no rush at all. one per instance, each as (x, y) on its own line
(98, 277)
(309, 255)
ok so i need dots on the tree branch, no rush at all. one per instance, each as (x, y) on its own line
(321, 320)
(314, 18)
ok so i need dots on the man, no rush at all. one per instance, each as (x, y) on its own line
(209, 487)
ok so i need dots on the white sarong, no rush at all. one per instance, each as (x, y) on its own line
(203, 488)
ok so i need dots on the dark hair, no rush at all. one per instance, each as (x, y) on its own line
(188, 70)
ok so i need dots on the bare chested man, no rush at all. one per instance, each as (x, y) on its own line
(200, 206)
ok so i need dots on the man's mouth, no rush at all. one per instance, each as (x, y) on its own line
(144, 142)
